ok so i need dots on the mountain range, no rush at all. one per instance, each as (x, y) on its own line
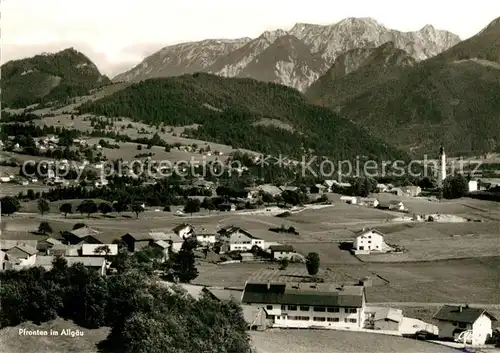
(452, 98)
(390, 92)
(295, 58)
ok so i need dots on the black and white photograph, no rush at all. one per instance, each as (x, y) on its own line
(249, 177)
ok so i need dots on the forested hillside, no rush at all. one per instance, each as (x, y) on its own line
(230, 111)
(49, 77)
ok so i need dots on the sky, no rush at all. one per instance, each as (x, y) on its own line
(118, 34)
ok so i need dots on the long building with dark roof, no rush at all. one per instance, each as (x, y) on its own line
(303, 305)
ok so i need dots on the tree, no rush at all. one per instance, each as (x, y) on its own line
(184, 267)
(88, 207)
(312, 263)
(120, 207)
(455, 186)
(43, 206)
(44, 228)
(208, 204)
(65, 209)
(9, 205)
(137, 208)
(284, 263)
(105, 208)
(192, 206)
(267, 198)
(102, 249)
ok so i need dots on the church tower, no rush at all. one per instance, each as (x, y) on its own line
(442, 166)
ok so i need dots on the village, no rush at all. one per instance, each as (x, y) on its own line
(272, 249)
(272, 298)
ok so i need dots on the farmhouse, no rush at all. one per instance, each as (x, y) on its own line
(279, 252)
(205, 237)
(269, 189)
(183, 230)
(308, 305)
(237, 239)
(97, 264)
(18, 256)
(64, 250)
(452, 320)
(44, 245)
(138, 241)
(81, 235)
(369, 240)
(349, 199)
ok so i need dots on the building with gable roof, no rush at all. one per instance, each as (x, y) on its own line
(308, 305)
(453, 320)
(368, 241)
(237, 239)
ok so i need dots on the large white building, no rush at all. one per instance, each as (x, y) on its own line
(308, 305)
(453, 320)
(369, 240)
(237, 239)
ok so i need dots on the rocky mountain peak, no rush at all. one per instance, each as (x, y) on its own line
(271, 36)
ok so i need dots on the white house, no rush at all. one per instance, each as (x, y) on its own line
(183, 230)
(92, 249)
(205, 237)
(279, 252)
(349, 199)
(473, 185)
(452, 320)
(308, 305)
(238, 239)
(369, 240)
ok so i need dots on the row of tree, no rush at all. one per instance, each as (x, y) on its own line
(144, 317)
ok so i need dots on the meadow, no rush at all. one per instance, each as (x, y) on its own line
(326, 341)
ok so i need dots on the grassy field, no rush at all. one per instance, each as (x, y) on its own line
(326, 341)
(468, 280)
(12, 342)
(469, 272)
